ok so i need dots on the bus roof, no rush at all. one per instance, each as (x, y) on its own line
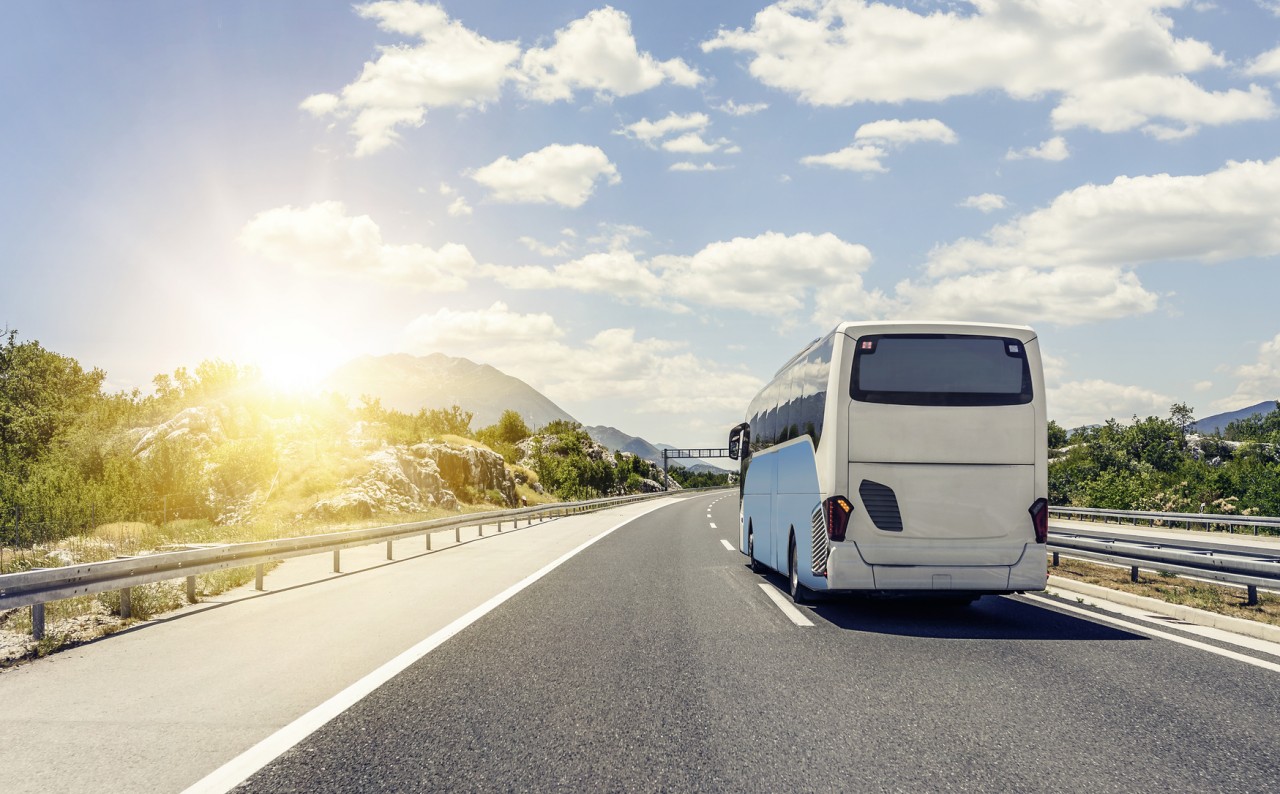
(1020, 332)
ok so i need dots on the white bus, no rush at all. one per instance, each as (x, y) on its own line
(900, 457)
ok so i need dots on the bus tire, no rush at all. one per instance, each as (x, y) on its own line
(756, 566)
(799, 593)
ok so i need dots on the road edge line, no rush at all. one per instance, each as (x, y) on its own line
(1138, 628)
(244, 765)
(780, 601)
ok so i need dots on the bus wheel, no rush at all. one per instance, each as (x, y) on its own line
(756, 567)
(799, 593)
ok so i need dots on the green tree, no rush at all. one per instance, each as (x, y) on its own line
(41, 394)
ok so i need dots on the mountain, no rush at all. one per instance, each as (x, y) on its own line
(618, 441)
(1213, 424)
(411, 383)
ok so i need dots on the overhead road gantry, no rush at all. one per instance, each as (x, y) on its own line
(672, 454)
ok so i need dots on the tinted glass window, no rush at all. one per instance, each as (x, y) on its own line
(941, 369)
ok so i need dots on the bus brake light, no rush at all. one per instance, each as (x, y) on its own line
(1039, 511)
(837, 510)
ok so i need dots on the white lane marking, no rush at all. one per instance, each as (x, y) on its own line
(713, 525)
(1141, 629)
(727, 545)
(789, 609)
(238, 769)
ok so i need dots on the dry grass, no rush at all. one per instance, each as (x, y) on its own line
(1210, 597)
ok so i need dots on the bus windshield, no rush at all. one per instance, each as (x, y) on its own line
(941, 369)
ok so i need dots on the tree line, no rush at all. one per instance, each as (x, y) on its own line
(1161, 464)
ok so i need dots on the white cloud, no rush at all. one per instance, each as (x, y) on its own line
(653, 375)
(742, 274)
(564, 175)
(1112, 66)
(985, 202)
(651, 131)
(859, 157)
(538, 247)
(1227, 214)
(692, 143)
(598, 53)
(874, 139)
(734, 109)
(459, 207)
(451, 330)
(1265, 65)
(323, 239)
(687, 166)
(745, 272)
(1091, 402)
(1135, 102)
(1068, 295)
(899, 133)
(1203, 385)
(450, 65)
(1259, 381)
(1054, 149)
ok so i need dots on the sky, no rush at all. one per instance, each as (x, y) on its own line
(643, 209)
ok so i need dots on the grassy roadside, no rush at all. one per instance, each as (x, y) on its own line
(1173, 589)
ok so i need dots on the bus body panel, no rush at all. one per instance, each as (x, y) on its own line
(780, 493)
(950, 514)
(758, 486)
(920, 433)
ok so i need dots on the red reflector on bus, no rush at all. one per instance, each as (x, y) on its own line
(837, 510)
(1039, 511)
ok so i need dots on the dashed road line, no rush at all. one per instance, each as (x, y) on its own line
(727, 545)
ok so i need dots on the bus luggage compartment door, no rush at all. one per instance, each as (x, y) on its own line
(941, 514)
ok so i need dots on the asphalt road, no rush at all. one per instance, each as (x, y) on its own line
(653, 660)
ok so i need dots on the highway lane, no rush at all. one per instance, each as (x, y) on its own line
(653, 661)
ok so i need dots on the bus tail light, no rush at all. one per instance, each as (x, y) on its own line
(1039, 511)
(837, 510)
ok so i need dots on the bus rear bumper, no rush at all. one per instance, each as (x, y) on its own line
(846, 571)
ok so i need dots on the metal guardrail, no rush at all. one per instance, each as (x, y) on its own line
(1243, 567)
(1169, 519)
(35, 588)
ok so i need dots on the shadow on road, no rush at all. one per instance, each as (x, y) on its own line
(988, 618)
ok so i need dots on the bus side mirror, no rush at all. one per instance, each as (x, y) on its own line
(736, 438)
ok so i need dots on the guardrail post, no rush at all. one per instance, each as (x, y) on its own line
(126, 603)
(1253, 596)
(257, 576)
(191, 589)
(457, 534)
(37, 621)
(428, 537)
(390, 556)
(1055, 559)
(1133, 573)
(337, 560)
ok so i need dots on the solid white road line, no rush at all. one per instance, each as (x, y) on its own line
(238, 769)
(789, 609)
(727, 545)
(1141, 629)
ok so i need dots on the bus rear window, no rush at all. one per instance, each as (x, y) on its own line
(940, 369)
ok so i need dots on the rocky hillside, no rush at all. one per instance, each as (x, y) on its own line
(413, 479)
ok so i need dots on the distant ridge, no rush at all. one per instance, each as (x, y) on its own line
(412, 383)
(618, 441)
(1218, 422)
